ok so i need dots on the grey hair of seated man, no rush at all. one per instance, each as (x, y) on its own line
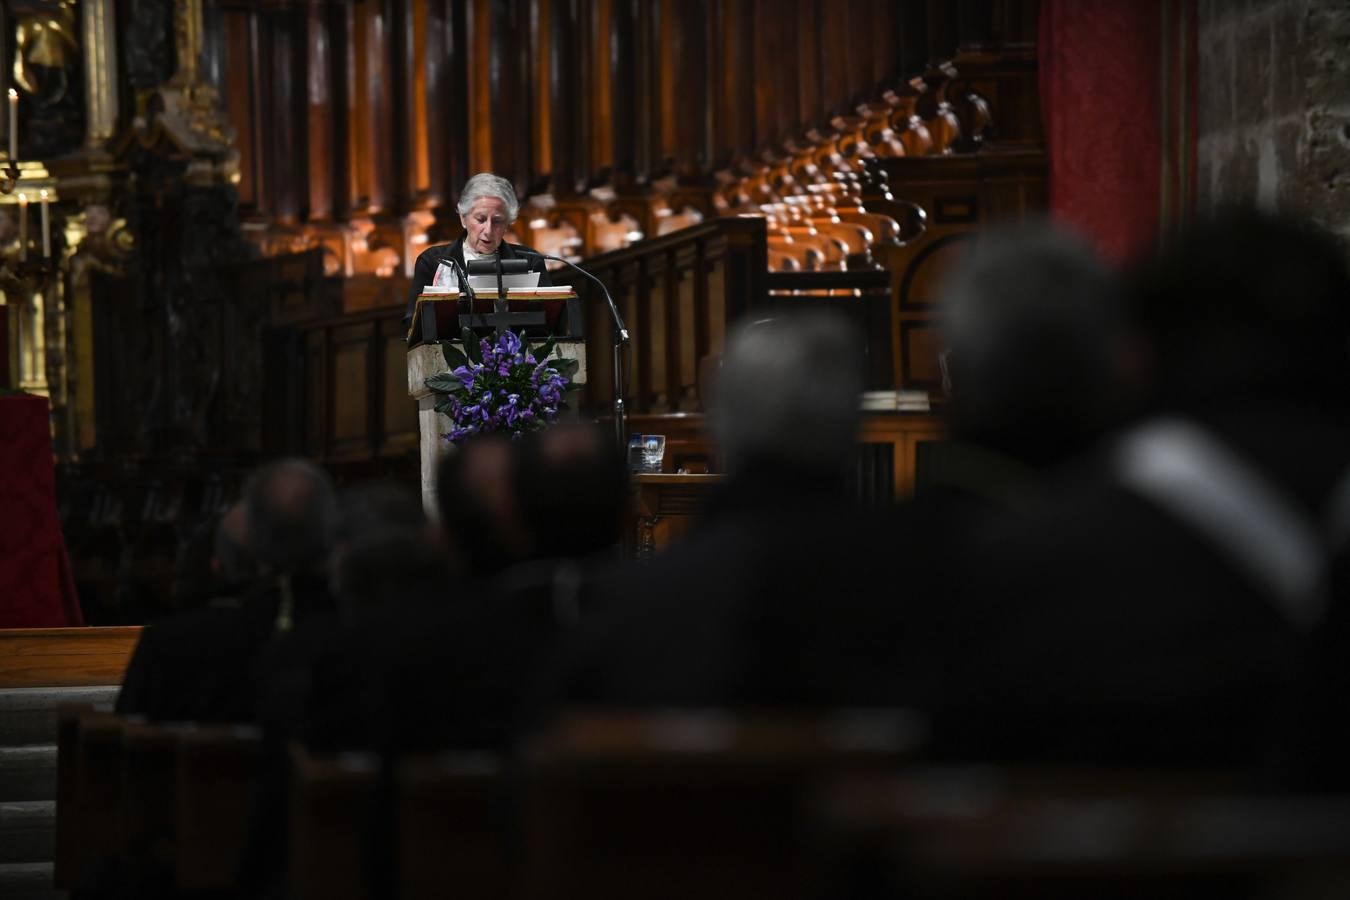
(485, 184)
(788, 392)
(292, 516)
(1032, 319)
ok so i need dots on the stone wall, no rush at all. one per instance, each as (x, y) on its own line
(1274, 107)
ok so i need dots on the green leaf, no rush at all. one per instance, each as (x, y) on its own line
(571, 386)
(454, 357)
(443, 406)
(565, 367)
(471, 347)
(444, 383)
(542, 353)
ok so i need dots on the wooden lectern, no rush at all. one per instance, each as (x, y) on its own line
(539, 312)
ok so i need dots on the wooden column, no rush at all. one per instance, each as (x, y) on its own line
(319, 111)
(415, 159)
(283, 108)
(566, 106)
(835, 62)
(478, 38)
(732, 90)
(380, 125)
(809, 53)
(356, 102)
(621, 43)
(600, 76)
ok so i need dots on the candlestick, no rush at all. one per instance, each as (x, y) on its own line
(13, 125)
(23, 227)
(46, 229)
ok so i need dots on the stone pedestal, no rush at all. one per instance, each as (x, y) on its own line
(426, 360)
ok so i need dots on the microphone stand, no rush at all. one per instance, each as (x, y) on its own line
(464, 290)
(620, 341)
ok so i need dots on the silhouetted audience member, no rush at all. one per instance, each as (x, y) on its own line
(1035, 330)
(1037, 359)
(479, 511)
(386, 567)
(1159, 608)
(215, 563)
(202, 665)
(459, 674)
(385, 553)
(702, 624)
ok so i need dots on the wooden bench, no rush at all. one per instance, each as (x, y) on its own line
(152, 805)
(984, 832)
(216, 777)
(456, 826)
(680, 805)
(332, 825)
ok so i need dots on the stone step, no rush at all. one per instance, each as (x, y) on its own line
(28, 715)
(28, 881)
(27, 831)
(28, 773)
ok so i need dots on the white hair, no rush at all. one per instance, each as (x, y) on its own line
(789, 392)
(485, 184)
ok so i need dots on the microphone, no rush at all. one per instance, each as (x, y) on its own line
(619, 327)
(464, 289)
(621, 341)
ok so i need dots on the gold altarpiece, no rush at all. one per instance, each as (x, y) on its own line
(63, 66)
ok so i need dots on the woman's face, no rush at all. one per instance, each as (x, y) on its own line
(484, 225)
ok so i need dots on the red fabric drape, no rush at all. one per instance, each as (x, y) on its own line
(1105, 96)
(36, 587)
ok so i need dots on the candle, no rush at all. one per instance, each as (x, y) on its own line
(23, 227)
(13, 125)
(46, 229)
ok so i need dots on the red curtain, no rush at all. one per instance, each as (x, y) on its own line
(36, 587)
(1117, 95)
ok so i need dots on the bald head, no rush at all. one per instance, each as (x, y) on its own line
(291, 515)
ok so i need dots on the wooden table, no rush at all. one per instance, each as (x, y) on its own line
(666, 508)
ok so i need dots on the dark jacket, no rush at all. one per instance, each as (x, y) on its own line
(203, 665)
(430, 259)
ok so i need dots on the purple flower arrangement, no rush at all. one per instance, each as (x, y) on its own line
(501, 384)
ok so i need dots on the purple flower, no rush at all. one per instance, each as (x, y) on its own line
(510, 390)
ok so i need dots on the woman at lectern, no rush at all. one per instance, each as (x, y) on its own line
(487, 207)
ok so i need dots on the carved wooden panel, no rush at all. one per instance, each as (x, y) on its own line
(398, 412)
(349, 357)
(384, 107)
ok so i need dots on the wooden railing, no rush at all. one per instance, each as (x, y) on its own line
(342, 386)
(958, 195)
(676, 294)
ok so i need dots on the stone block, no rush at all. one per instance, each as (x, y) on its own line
(1326, 33)
(1215, 87)
(1252, 75)
(1322, 163)
(1236, 177)
(1289, 60)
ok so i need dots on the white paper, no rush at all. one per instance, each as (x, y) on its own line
(509, 282)
(448, 278)
(445, 277)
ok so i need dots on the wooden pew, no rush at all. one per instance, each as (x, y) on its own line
(455, 826)
(151, 805)
(68, 719)
(146, 813)
(691, 804)
(97, 843)
(216, 775)
(983, 832)
(332, 825)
